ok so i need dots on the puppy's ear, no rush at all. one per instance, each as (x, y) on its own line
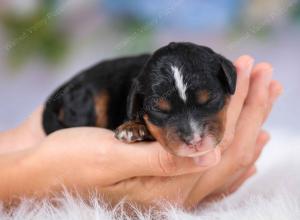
(134, 102)
(227, 74)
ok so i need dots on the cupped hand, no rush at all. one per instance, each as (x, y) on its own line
(85, 158)
(238, 161)
(242, 145)
(89, 158)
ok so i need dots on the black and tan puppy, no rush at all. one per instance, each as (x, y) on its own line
(178, 96)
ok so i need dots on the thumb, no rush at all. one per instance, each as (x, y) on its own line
(150, 159)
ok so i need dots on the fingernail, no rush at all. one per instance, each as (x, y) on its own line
(209, 159)
(247, 67)
(267, 76)
(244, 64)
(279, 91)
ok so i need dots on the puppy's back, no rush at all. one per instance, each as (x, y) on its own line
(73, 104)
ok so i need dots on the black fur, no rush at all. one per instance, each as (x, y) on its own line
(204, 69)
(75, 97)
(135, 84)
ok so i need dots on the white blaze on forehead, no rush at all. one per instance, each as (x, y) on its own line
(180, 85)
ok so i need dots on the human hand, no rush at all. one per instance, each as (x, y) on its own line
(89, 157)
(28, 134)
(238, 161)
(241, 147)
(76, 157)
(84, 158)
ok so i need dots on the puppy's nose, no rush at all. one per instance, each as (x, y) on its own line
(195, 141)
(191, 140)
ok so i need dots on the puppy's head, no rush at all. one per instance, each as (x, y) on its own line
(182, 94)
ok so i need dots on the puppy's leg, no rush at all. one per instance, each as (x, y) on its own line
(133, 131)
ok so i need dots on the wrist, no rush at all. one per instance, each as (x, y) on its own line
(25, 174)
(26, 135)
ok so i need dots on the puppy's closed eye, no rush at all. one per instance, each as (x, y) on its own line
(160, 108)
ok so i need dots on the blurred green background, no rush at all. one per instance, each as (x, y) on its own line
(43, 43)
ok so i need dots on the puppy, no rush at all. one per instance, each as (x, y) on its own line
(178, 96)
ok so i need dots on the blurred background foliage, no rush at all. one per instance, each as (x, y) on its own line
(39, 33)
(45, 42)
(39, 29)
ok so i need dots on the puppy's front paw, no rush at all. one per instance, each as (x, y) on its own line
(132, 131)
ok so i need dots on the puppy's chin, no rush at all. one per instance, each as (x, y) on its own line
(207, 144)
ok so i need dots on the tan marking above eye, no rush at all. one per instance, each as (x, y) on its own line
(202, 96)
(163, 104)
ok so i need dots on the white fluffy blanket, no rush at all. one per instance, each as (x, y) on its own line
(274, 193)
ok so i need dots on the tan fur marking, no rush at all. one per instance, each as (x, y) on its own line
(101, 108)
(165, 136)
(61, 115)
(220, 121)
(164, 104)
(168, 138)
(202, 96)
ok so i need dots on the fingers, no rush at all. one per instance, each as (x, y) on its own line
(237, 162)
(147, 190)
(244, 66)
(173, 166)
(169, 165)
(253, 113)
(233, 188)
(245, 174)
(243, 149)
(249, 173)
(150, 159)
(262, 139)
(109, 161)
(236, 180)
(153, 160)
(237, 101)
(275, 91)
(215, 187)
